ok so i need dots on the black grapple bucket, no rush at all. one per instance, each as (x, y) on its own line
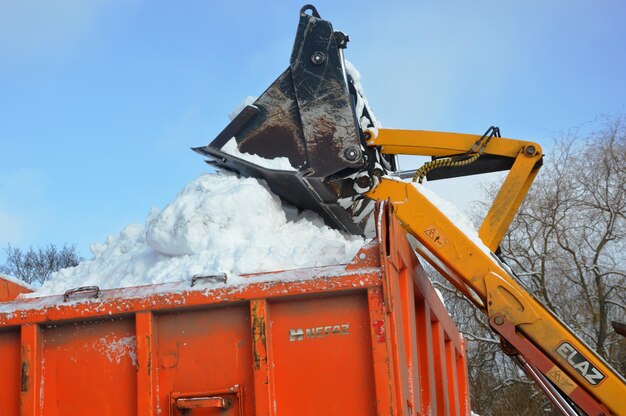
(307, 116)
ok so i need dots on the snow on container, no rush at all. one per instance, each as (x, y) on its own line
(366, 338)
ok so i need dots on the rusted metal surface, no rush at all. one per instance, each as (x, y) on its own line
(147, 384)
(368, 338)
(263, 358)
(31, 370)
(308, 116)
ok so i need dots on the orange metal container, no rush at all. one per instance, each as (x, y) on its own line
(11, 288)
(367, 338)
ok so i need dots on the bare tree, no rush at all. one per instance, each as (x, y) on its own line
(567, 244)
(497, 385)
(36, 265)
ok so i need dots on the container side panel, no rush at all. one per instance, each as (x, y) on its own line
(146, 353)
(203, 351)
(404, 400)
(441, 374)
(10, 290)
(410, 338)
(323, 356)
(426, 357)
(453, 384)
(31, 377)
(10, 377)
(263, 358)
(385, 392)
(464, 399)
(89, 368)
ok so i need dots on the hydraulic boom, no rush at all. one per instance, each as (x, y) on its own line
(316, 116)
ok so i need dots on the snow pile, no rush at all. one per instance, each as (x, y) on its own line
(362, 107)
(217, 224)
(278, 163)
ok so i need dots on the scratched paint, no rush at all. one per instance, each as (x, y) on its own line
(115, 349)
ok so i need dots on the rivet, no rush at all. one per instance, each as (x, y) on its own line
(318, 57)
(352, 154)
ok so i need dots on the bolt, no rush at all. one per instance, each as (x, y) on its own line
(530, 150)
(364, 182)
(498, 320)
(318, 58)
(352, 154)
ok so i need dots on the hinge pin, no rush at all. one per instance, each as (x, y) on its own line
(530, 150)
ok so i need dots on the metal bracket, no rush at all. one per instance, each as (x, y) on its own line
(215, 278)
(83, 290)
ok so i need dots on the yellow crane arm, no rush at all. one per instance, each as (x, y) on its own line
(526, 156)
(545, 343)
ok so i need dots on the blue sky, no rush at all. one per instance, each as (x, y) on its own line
(101, 100)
